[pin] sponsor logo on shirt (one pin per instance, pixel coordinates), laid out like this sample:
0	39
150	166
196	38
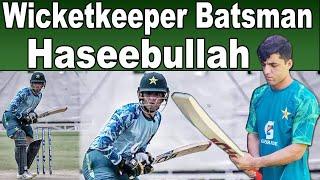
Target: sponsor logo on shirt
268	129
269	132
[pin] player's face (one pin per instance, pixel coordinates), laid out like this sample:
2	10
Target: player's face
152	100
276	71
37	87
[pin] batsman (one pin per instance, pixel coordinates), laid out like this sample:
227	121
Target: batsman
119	151
17	119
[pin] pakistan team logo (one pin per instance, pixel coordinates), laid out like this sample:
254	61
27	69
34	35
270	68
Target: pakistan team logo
153	80
285	114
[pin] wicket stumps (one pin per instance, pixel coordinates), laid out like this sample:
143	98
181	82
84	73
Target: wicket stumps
42	130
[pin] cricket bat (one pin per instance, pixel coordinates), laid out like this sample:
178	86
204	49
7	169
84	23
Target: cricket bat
52	111
182	151
192	110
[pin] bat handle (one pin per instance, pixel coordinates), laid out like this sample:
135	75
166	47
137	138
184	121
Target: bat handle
258	176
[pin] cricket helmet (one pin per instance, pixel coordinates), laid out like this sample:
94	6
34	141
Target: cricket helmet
38	77
153	82
150	83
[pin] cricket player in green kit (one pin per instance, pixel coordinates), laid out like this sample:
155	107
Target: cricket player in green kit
282	117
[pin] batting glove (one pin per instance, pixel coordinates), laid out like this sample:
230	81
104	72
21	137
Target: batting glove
32	117
146	159
130	167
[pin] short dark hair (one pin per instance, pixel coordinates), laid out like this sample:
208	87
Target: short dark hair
275	44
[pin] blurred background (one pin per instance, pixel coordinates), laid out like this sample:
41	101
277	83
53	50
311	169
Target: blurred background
93	96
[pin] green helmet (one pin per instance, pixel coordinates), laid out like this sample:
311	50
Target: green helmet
38	77
153	82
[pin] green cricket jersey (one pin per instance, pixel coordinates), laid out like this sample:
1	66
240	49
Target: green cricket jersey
280	118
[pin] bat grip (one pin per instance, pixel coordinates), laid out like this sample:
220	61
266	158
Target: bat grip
258	176
43	115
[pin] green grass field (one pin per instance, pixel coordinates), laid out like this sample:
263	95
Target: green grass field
65	152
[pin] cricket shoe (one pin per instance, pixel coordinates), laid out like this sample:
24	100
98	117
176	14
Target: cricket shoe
32	174
26	175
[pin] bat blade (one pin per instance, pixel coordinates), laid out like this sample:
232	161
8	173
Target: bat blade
193	111
182	151
53	111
